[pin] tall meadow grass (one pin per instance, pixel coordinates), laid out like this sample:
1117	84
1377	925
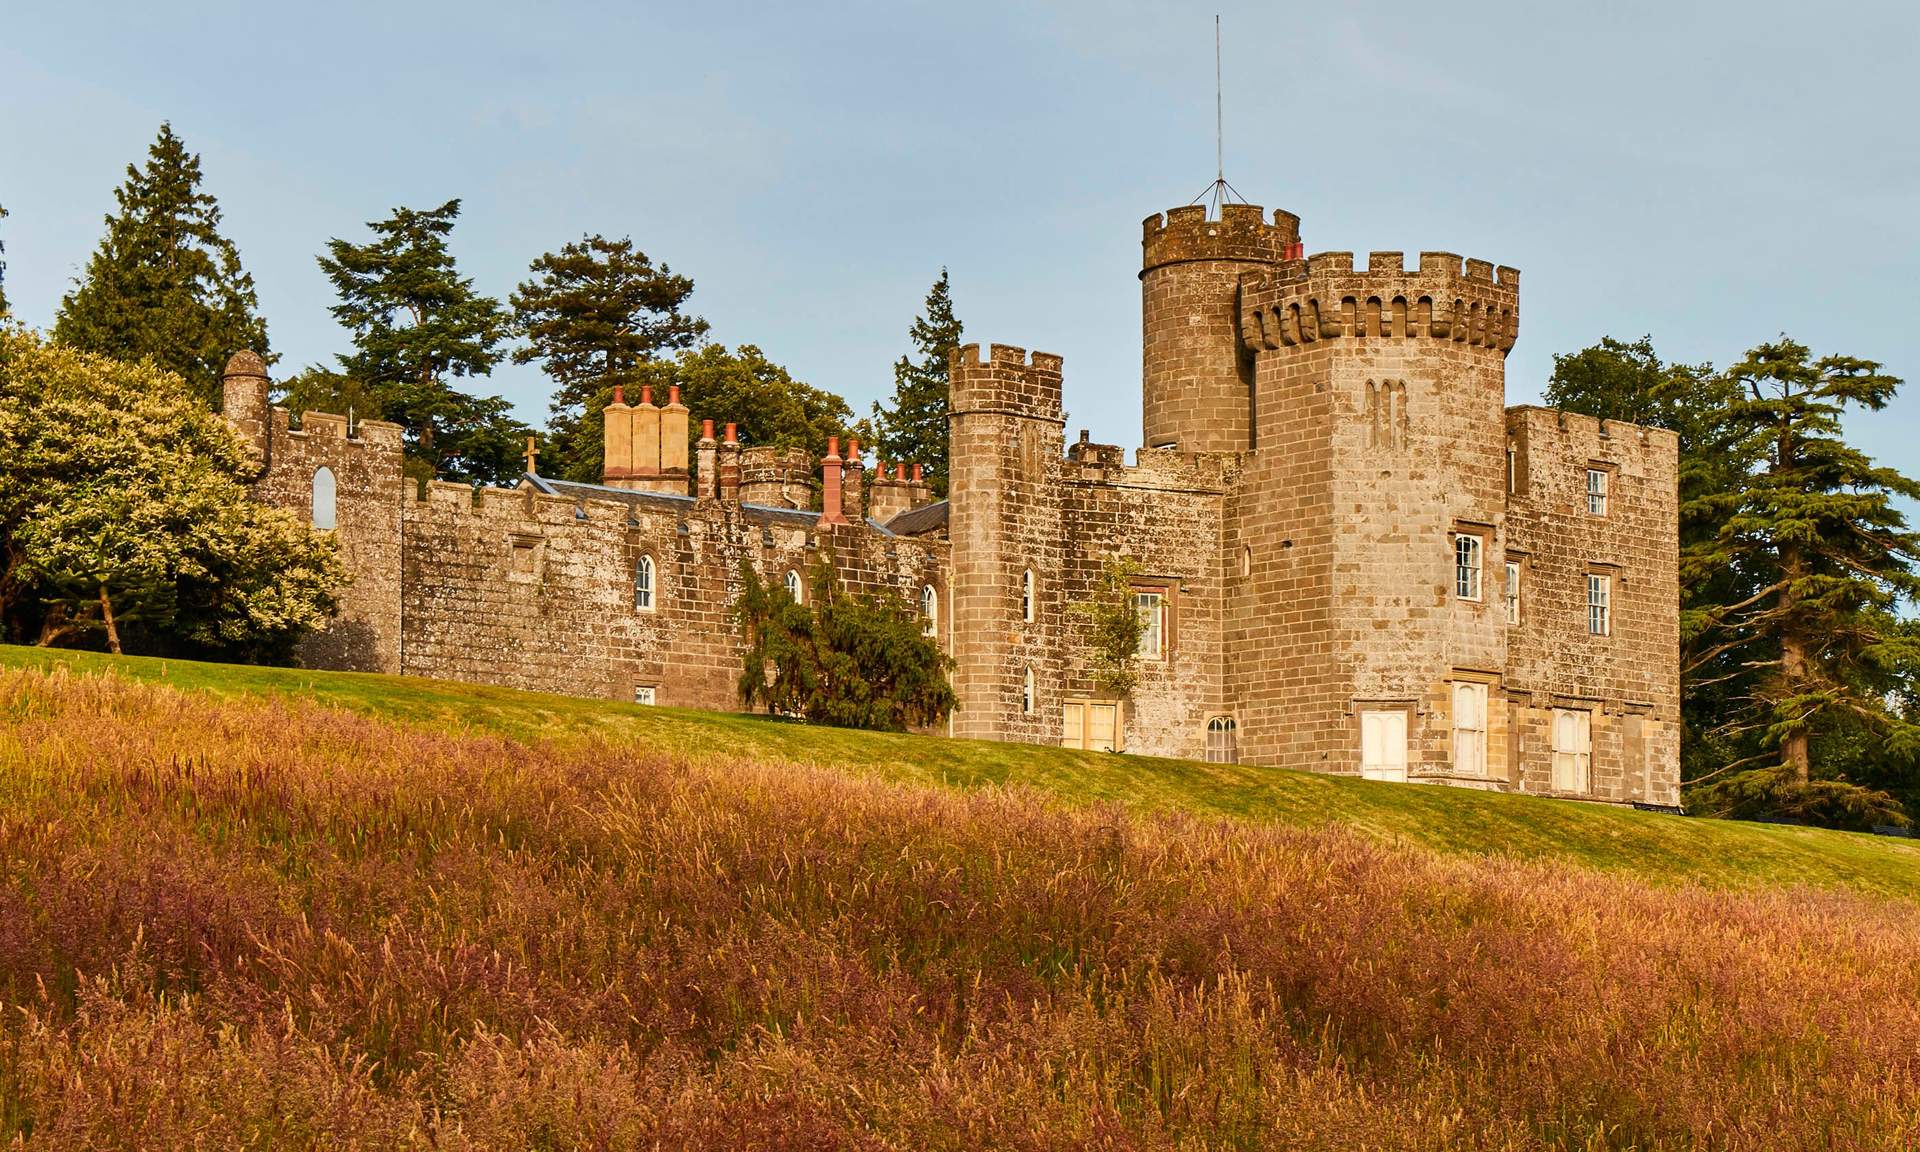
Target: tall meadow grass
252	923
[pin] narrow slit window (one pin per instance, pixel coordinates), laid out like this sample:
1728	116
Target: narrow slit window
1513	592
1026	694
1026	596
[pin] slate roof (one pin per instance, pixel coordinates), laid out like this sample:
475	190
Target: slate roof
918	521
667	501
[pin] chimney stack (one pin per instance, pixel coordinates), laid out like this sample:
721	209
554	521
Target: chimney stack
616	441
705	482
853	489
673	438
730	466
830	485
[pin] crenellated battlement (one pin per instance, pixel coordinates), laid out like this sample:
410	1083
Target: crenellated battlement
1005	381
1325	297
1240	233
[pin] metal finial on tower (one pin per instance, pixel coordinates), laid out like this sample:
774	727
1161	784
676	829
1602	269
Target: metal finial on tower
1219	192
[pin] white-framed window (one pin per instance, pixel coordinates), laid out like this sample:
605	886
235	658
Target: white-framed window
1470	729
1092	725
1599	604
1383	745
1466	566
326	493
1223	740
1572	750
929	611
794	588
643	584
643	693
1513	592
1151	605
1026	694
1597	491
1026	596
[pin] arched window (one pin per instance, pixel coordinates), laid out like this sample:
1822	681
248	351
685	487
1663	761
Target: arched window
793	587
325	492
1026	694
929	611
1026	596
643	584
1223	740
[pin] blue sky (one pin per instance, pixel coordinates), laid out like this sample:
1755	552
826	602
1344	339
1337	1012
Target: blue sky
1710	174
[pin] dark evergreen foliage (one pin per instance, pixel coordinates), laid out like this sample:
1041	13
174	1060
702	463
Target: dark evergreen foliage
165	284
416	324
1799	668
848	661
913	426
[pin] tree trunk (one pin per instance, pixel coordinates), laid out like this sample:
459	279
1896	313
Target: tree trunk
106	614
53	626
1793	671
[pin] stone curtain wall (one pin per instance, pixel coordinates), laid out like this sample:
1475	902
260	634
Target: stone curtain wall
1629	680
536	591
1165	513
368	485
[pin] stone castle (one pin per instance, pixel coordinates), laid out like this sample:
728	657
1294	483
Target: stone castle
1353	557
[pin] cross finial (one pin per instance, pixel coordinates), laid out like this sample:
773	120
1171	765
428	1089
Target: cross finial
533	454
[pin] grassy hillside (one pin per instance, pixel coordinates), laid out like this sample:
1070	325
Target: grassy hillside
1663	848
253	921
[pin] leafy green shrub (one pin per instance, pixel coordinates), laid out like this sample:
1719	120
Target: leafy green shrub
848	661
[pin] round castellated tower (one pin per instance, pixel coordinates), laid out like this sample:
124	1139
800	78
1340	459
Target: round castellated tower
1196	380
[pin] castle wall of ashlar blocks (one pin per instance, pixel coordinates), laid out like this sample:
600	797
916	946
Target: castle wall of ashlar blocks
1355	557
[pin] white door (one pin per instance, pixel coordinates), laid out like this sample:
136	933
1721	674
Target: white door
1102	727
1572	750
1383	745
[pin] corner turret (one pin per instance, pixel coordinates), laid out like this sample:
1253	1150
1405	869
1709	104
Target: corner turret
1197	383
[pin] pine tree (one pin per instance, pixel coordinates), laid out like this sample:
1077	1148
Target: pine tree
1815	649
416	322
164	283
913	427
593	314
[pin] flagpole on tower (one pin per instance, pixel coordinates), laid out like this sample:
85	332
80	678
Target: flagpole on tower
1219	192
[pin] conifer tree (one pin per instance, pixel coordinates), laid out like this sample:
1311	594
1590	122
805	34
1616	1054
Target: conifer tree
417	323
593	314
1815	647
164	283
913	427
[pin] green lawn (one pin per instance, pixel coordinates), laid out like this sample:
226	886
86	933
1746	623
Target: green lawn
1447	819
